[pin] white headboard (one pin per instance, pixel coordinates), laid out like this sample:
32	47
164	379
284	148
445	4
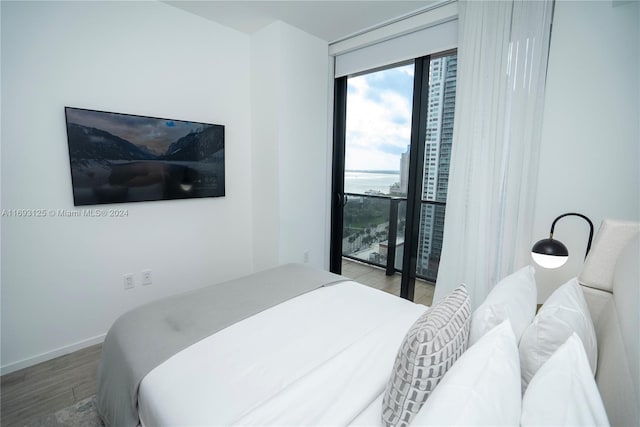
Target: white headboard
614	303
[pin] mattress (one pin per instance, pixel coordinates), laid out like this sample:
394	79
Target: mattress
272	368
145	337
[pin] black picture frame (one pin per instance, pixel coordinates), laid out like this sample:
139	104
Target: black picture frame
121	158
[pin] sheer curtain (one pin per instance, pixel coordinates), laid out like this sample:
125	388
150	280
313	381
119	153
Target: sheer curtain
502	62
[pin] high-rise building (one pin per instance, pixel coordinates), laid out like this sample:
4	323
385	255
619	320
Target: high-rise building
404	171
437	157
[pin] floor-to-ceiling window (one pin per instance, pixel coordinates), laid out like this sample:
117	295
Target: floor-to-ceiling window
392	148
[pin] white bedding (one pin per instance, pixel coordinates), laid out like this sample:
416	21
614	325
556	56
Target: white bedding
320	358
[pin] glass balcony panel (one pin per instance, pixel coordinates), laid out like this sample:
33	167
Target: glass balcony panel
366	228
430	240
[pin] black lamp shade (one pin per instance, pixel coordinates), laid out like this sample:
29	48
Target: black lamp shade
550	253
550	247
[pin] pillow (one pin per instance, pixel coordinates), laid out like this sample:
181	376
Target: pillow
563	392
611	239
513	298
481	388
431	346
564	313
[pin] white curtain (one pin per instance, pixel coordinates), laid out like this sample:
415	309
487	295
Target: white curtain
502	62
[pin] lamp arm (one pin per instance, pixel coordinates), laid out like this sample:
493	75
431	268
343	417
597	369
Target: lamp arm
553	225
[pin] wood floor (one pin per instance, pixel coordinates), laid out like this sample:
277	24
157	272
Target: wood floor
376	278
56	384
48	387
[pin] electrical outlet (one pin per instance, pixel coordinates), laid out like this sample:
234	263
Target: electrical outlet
306	256
129	281
146	277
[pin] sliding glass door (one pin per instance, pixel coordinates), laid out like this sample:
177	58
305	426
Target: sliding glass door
392	145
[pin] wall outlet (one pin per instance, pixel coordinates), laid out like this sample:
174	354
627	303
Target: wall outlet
305	256
146	277
129	281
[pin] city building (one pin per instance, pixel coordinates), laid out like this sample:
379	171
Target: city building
437	157
404	171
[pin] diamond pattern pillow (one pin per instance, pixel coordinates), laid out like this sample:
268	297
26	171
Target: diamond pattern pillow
432	344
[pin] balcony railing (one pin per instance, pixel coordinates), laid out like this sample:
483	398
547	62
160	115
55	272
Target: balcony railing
374	233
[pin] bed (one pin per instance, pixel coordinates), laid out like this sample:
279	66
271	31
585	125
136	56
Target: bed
298	346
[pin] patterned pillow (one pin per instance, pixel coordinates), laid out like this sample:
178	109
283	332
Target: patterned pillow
431	346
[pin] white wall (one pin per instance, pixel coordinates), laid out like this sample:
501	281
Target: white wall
591	136
302	154
62	283
289	90
265	89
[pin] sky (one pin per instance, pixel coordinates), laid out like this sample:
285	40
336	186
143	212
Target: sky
378	119
153	134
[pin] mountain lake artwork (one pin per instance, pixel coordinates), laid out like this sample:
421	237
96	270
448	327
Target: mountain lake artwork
118	158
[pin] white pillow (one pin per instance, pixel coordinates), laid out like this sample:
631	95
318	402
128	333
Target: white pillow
563	391
564	313
513	298
481	388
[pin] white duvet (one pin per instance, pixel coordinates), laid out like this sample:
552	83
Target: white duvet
322	358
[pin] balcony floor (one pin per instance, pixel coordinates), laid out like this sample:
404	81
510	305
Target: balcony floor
376	278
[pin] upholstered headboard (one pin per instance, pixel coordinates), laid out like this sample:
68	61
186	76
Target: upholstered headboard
611	284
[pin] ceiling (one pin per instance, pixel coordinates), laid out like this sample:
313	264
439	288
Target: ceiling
329	20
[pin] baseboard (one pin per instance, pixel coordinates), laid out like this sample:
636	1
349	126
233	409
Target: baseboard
43	357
